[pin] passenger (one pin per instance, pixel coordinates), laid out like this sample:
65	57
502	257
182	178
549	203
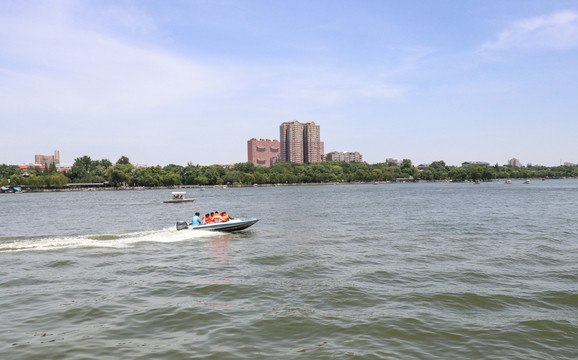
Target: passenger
196	219
212	218
224	216
217	217
206	219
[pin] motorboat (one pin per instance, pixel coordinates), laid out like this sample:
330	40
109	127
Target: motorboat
11	189
179	197
228	226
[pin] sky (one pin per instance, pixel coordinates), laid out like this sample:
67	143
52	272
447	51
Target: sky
191	81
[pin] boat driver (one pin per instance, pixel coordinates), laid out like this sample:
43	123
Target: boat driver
196	219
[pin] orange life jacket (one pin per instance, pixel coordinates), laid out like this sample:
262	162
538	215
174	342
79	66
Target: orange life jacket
217	217
224	217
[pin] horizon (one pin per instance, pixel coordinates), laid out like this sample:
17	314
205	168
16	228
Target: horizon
193	81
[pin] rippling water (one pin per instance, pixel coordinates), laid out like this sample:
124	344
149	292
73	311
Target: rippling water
397	271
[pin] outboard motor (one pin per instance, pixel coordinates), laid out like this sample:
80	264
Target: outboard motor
182	225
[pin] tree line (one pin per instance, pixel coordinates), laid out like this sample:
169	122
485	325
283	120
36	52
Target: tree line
124	174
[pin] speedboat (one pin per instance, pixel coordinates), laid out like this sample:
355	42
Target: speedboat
179	197
228	226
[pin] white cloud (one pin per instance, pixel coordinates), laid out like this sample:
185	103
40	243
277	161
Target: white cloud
51	65
558	31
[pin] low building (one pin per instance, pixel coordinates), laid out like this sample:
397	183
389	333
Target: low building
346	156
470	163
47	159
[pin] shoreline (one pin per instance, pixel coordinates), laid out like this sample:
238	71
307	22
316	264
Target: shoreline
224	187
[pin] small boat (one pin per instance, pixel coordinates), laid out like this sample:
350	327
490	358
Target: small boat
11	189
228	226
508	182
179	197
527	182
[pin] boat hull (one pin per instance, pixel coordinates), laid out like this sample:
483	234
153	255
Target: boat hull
178	201
228	226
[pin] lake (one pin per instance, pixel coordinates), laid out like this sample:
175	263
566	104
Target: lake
388	271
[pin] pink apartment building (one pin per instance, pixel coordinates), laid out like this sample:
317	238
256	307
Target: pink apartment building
262	151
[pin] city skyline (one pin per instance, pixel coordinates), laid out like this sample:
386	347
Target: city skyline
271	149
191	82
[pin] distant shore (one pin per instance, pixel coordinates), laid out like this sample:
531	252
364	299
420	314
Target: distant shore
224	187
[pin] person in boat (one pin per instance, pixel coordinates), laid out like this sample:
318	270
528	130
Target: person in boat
205	219
196	219
217	217
224	216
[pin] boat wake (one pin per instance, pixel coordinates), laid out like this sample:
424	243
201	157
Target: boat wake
115	241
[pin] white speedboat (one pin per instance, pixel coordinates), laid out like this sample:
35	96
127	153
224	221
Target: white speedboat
228	226
179	197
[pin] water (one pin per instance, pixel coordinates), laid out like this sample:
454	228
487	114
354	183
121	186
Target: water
397	271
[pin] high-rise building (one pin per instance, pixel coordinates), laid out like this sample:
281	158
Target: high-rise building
262	151
514	162
300	142
47	159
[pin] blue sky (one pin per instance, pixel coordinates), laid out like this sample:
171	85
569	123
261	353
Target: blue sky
191	81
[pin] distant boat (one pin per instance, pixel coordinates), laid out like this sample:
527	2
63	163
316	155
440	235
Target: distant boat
508	182
527	182
11	189
179	197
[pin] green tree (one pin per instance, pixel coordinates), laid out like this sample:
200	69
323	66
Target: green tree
120	174
407	168
123	160
213	174
175	169
246	167
8	170
57	180
79	172
17	180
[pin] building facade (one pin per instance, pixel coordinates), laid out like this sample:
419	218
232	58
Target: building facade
47	159
346	156
262	151
300	142
514	162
